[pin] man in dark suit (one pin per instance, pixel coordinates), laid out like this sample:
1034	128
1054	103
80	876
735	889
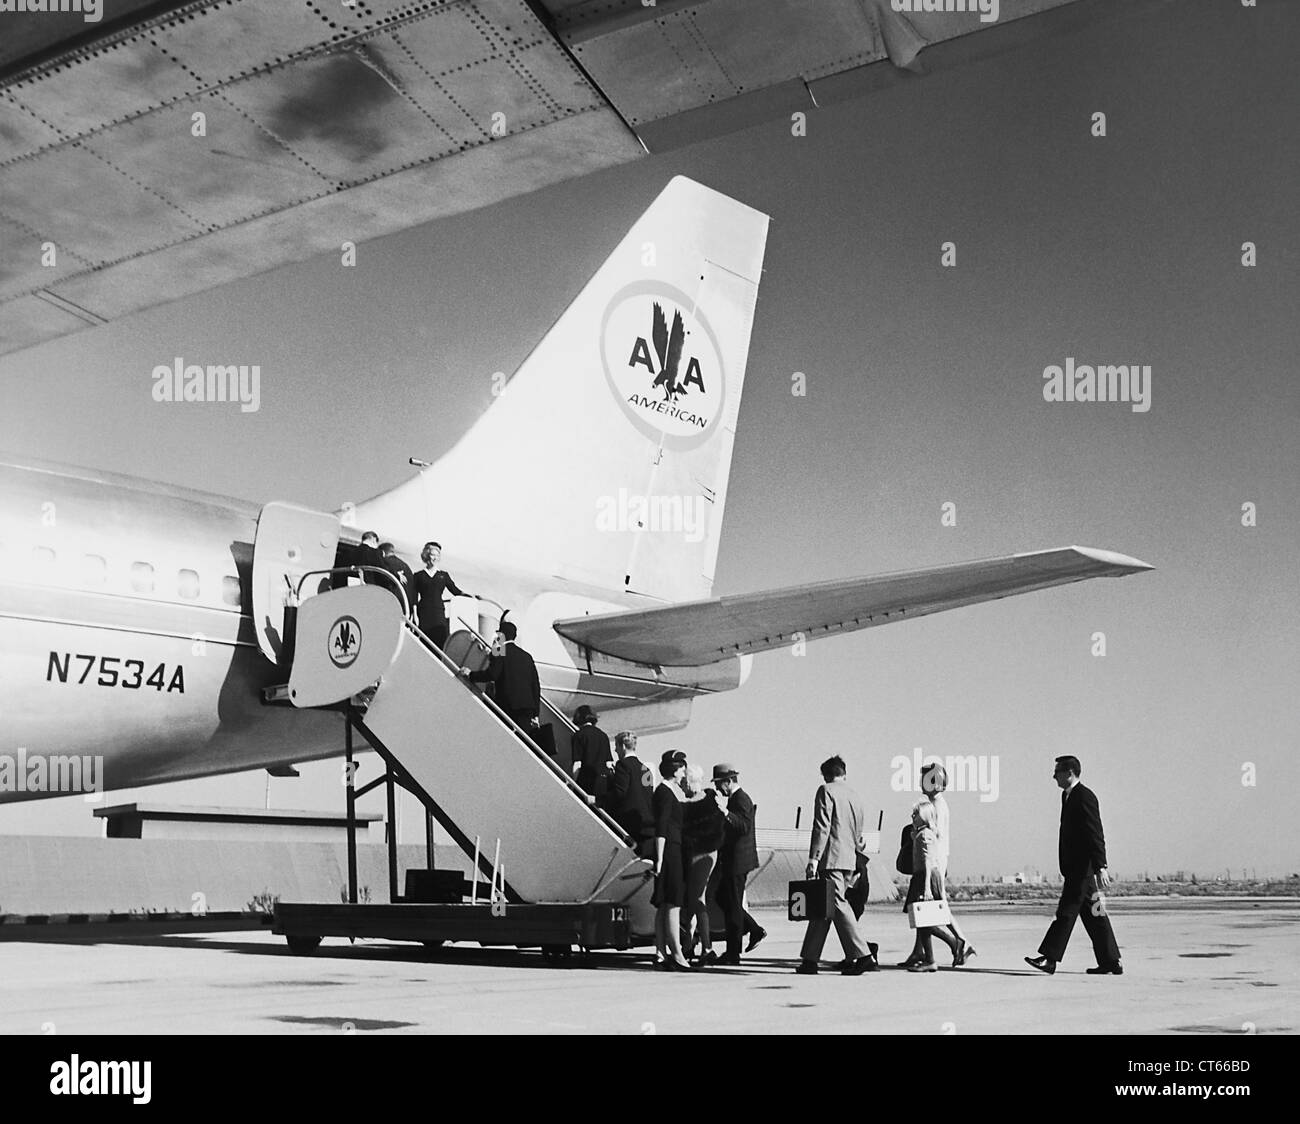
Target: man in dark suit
1083	865
513	675
399	569
737	856
630	788
369	554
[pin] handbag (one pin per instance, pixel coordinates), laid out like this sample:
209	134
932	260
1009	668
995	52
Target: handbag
932	913
811	900
903	864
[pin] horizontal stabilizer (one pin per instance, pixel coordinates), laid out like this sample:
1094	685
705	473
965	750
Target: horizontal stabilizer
701	632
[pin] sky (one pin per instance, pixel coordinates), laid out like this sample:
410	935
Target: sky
924	387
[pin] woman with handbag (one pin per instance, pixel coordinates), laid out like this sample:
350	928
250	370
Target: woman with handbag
929	870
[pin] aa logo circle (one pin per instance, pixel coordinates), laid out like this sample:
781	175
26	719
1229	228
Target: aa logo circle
663	364
344	643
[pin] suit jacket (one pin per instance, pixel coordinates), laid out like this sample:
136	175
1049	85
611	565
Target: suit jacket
590	747
370	556
630	790
1082	849
838	817
515	686
739	851
402	572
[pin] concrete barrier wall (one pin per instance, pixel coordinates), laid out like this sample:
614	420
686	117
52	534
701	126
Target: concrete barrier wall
61	874
66	874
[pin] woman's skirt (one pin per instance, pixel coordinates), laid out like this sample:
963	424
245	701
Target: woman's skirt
916	889
699	869
670	886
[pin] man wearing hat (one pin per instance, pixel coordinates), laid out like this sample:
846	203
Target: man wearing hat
737	856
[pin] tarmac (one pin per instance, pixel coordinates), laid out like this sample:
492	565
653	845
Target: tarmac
1192	966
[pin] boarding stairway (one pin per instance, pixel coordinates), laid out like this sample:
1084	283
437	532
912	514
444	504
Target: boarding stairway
481	776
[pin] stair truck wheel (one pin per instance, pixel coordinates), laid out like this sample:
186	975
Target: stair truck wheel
303	946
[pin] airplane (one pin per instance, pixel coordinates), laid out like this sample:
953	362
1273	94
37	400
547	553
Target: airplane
586	501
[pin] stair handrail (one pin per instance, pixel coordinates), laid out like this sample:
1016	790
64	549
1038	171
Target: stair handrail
486	646
454	668
356	571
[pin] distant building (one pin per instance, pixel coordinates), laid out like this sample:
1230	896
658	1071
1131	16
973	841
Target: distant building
1020	878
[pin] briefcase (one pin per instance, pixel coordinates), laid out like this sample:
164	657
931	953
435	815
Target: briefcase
544	736
813	900
928	914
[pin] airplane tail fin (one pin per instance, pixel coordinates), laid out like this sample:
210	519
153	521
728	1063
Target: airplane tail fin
605	458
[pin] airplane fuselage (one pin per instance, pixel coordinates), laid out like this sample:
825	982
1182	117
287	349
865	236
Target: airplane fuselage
126	635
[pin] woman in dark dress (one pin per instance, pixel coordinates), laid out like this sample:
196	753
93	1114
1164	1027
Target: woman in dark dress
591	754
427	588
670	873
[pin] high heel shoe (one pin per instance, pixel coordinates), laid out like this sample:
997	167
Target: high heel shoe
963	953
910	961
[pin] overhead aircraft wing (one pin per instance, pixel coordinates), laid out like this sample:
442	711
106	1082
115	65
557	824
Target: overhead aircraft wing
169	146
701	632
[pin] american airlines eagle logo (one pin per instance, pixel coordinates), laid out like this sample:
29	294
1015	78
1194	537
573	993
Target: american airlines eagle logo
344	642
668	349
662	362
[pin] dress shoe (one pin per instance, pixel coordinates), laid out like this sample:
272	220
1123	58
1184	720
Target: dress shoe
924	966
806	968
860	965
709	957
964	952
910	961
1115	969
1042	964
754	937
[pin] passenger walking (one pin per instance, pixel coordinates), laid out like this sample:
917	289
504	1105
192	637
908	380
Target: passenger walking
737	857
516	688
1082	854
630	790
703	828
368	554
838	819
429	585
670	878
591	758
930	850
400	570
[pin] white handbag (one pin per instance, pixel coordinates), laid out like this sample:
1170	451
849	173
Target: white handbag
928	914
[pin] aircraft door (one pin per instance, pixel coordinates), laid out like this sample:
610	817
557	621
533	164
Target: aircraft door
291	541
467	616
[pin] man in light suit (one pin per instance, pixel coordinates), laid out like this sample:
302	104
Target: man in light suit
1082	854
838	820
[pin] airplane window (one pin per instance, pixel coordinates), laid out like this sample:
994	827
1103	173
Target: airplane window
93	569
187	584
141	577
230	590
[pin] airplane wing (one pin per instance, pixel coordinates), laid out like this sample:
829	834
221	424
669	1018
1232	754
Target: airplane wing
701	632
151	149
